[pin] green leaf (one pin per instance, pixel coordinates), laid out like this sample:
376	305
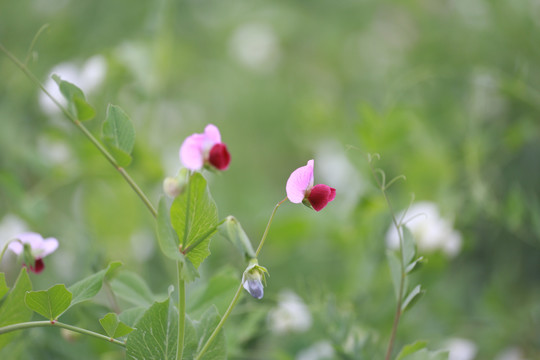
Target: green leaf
3	286
411	349
395	270
49	303
412	298
113	326
87	288
167	237
119	134
132	288
203	329
233	231
218	291
156	334
77	104
13	310
415	265
409	246
425	354
194	217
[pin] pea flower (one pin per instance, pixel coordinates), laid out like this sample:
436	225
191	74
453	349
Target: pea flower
34	248
199	150
300	189
253	277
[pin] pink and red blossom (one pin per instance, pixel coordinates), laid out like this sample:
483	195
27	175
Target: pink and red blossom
203	149
38	247
300	188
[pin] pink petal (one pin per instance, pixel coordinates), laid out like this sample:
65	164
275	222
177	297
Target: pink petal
191	152
30	238
49	246
299	182
219	157
320	196
212	134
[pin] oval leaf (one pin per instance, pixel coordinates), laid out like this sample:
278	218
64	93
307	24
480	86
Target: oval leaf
119	134
194	217
50	303
77	104
156	334
113	326
3	286
13	310
87	288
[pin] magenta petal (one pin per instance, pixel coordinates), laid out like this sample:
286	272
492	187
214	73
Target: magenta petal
299	182
320	196
211	132
219	157
33	239
191	153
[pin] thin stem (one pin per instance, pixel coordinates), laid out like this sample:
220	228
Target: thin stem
84	130
181	312
221	322
239	290
398	313
259	248
33	43
47	323
6	247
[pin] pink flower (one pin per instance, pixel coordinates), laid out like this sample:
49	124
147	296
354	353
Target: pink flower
38	247
199	150
300	189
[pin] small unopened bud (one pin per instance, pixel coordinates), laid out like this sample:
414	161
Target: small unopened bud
253	279
232	230
174	186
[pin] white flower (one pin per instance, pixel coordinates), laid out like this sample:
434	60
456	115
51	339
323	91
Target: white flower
430	230
461	349
255	46
87	77
321	350
291	314
512	353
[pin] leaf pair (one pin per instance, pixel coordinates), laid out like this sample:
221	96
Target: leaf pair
52	303
157	334
118	132
193	221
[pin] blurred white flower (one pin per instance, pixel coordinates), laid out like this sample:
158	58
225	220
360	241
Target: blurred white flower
56	152
10	227
430	230
321	350
255	45
512	353
87	77
291	314
460	349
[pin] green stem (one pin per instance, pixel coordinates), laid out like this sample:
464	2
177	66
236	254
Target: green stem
383	186
181	312
221	322
239	290
6	247
47	323
84	130
259	248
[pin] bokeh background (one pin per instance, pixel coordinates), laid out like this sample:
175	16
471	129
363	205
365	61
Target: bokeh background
447	92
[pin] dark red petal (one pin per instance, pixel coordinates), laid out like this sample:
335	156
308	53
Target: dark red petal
220	157
320	196
38	266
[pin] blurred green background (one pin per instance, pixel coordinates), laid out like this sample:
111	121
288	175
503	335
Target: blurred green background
447	92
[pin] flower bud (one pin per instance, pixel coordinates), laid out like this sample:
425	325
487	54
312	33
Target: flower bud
174	186
253	278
